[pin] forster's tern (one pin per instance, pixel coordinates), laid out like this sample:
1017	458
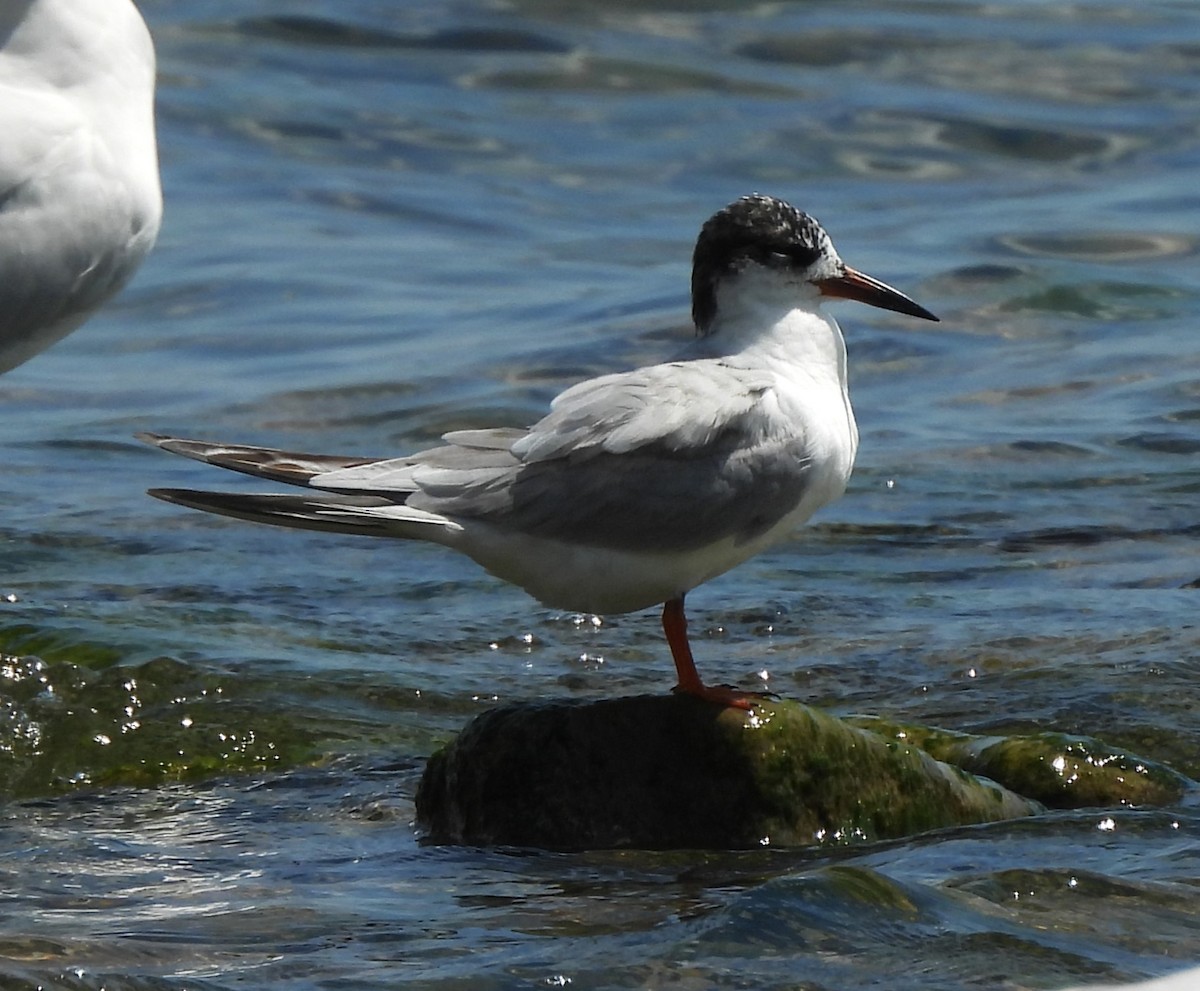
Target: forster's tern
80	202
638	486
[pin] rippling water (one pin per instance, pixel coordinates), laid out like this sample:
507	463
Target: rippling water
390	220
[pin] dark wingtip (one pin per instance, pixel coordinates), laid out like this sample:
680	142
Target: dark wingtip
176	496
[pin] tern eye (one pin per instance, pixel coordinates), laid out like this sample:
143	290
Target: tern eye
772	259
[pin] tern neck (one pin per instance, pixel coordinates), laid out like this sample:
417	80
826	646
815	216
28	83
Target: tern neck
778	325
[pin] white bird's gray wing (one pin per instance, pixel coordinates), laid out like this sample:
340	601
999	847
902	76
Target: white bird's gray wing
38	280
80	203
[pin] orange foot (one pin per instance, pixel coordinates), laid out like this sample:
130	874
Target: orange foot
724	695
675	626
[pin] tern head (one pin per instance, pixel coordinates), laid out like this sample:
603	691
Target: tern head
767	234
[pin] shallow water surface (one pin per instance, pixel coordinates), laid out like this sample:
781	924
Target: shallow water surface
389	221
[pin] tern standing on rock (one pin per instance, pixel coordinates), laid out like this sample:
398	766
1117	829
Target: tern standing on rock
638	486
80	202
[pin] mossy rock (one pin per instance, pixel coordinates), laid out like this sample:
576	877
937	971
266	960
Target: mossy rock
672	772
1061	771
65	725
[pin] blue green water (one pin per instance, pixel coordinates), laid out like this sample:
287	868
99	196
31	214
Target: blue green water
385	221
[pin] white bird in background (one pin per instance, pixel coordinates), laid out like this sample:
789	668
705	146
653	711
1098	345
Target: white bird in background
80	201
638	486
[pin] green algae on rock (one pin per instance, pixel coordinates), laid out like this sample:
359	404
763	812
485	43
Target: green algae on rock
669	772
1058	770
66	725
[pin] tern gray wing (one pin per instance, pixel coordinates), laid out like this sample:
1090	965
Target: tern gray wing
670	457
650	499
679	406
667	457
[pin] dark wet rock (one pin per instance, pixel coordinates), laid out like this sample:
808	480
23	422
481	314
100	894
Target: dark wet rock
1061	771
675	772
1071	536
300	29
1163	443
830	48
592	73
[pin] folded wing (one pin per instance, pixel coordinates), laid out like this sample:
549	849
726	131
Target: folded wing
666	457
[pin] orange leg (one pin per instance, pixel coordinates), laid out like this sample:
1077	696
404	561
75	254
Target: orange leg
675	627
